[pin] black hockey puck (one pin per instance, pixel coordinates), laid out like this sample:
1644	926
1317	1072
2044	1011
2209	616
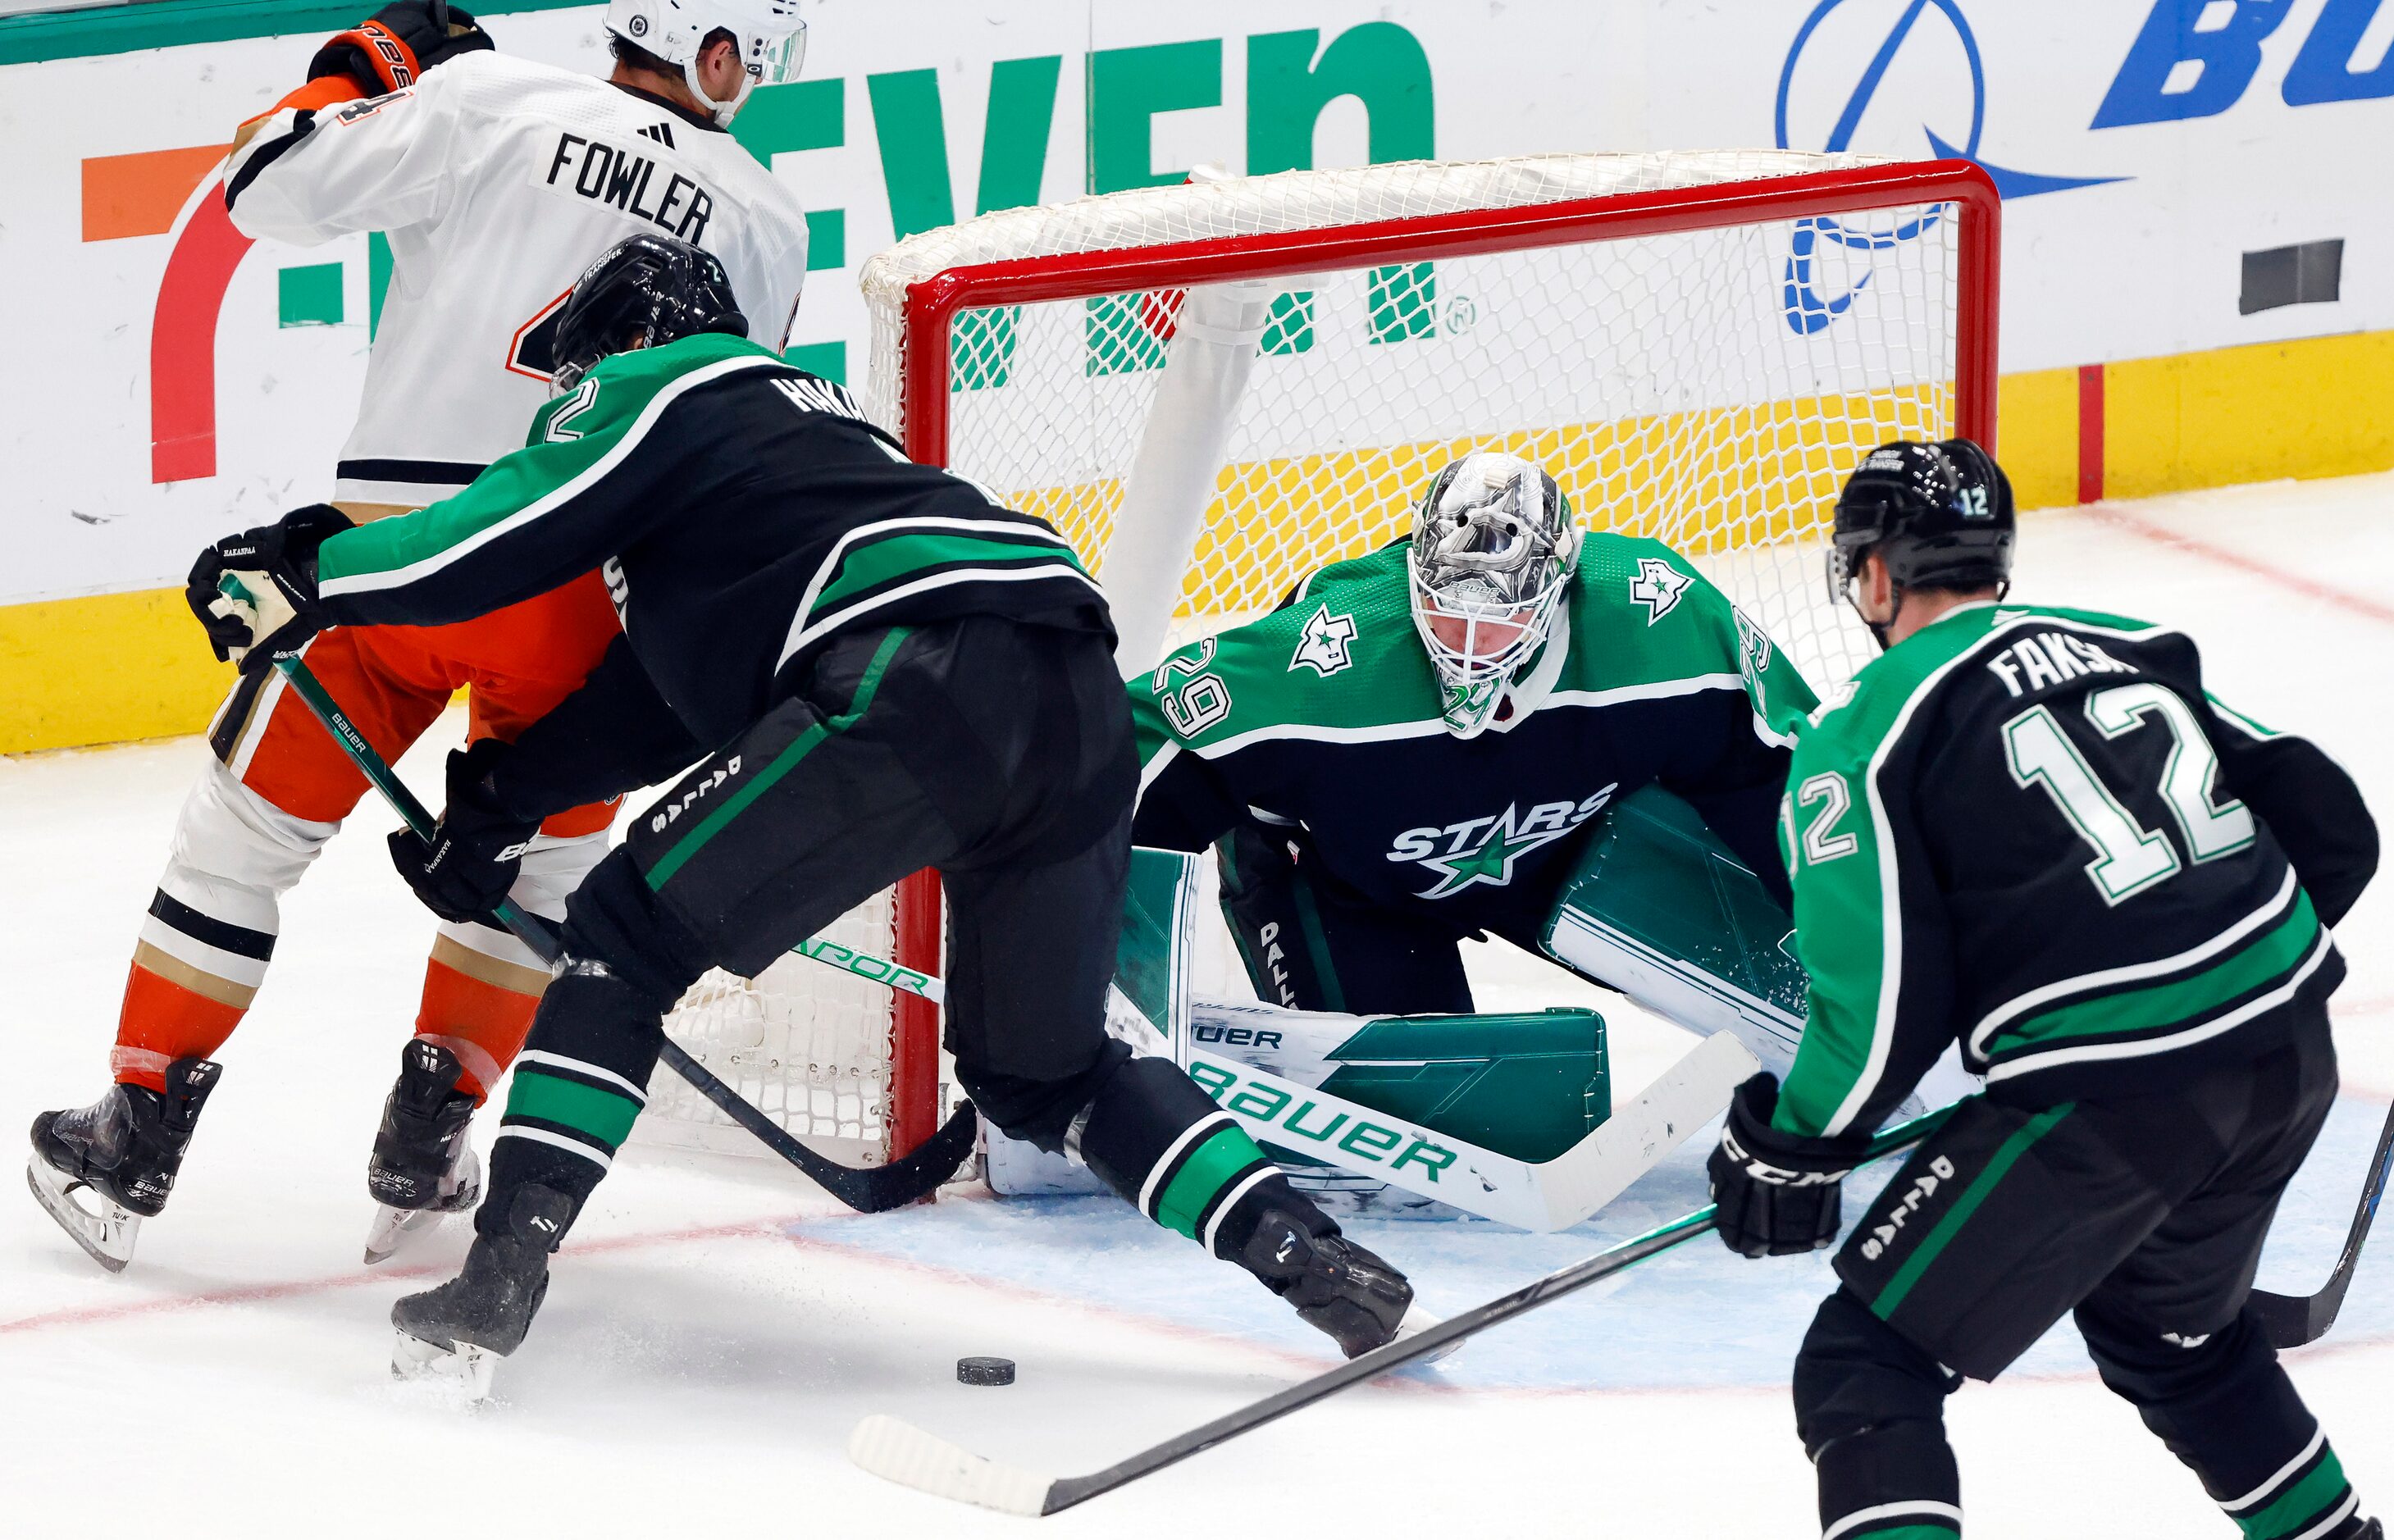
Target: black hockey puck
985	1371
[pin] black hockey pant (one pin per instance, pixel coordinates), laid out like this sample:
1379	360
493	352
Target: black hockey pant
997	753
2144	1217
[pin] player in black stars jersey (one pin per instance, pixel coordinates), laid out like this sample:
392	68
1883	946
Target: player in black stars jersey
2033	830
873	669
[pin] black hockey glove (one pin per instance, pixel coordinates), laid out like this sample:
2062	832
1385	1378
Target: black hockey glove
475	851
1777	1193
401	40
276	565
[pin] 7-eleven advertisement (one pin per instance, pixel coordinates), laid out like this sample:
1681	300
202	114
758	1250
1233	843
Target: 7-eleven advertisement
2196	288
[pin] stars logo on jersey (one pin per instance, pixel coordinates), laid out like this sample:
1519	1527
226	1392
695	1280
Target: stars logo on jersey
1486	849
1658	587
1323	648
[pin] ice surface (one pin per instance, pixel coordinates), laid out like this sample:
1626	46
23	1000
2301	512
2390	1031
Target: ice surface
715	1327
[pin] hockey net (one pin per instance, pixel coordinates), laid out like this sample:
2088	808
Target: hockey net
1213	389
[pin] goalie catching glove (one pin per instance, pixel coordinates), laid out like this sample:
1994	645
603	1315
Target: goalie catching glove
471	861
275	564
391	51
1777	1192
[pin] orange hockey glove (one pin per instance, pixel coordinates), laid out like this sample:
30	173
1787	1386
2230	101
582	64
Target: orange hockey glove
401	40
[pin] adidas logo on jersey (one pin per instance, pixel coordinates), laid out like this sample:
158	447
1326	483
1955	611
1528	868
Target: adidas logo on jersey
622	179
661	131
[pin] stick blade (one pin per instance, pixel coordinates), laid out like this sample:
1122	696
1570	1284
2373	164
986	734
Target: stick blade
897	1451
2290	1321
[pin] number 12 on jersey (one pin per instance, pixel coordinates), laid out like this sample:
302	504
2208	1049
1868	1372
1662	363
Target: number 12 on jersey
2129	858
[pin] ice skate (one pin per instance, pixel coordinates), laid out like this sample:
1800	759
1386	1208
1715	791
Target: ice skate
483	1312
1352	1295
424	1166
101	1170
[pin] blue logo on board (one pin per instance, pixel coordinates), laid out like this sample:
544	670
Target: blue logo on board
1809	307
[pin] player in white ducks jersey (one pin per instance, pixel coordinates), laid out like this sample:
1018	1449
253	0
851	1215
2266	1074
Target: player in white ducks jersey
498	181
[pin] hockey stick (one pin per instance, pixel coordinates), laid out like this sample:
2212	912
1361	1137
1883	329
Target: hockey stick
899	1452
868	1189
2293	1320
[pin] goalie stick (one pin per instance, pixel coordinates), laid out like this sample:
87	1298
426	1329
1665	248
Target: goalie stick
2294	1320
897	1451
868	1189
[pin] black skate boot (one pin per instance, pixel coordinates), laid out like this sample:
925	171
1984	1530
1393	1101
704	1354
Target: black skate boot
483	1312
1337	1286
423	1165
124	1149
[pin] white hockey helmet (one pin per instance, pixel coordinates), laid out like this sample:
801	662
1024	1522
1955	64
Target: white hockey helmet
1494	545
770	37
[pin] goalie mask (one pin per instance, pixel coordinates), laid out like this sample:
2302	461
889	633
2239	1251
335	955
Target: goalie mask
770	39
1494	548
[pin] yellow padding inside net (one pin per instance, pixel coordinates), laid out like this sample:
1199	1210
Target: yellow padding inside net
1706	481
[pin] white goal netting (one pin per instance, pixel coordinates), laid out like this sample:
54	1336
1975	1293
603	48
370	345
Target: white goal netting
808	1046
1212	434
1708	386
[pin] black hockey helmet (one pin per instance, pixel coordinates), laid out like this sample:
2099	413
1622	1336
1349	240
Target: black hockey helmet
1939	514
645	291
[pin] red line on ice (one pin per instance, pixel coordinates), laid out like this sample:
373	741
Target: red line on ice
2138	524
247	1294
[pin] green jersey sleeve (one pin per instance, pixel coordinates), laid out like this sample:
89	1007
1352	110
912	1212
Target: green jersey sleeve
583	487
1185	801
1871	929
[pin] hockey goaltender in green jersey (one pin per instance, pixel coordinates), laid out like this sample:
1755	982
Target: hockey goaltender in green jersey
1422	744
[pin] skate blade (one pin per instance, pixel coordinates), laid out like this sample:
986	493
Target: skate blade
470	1367
1417	1321
104	1229
395	1229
